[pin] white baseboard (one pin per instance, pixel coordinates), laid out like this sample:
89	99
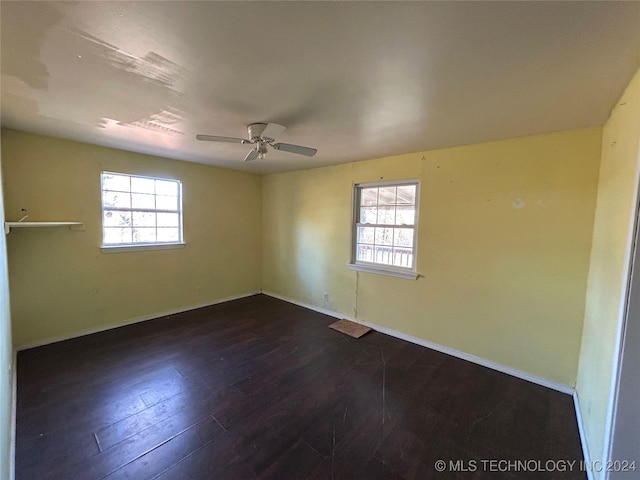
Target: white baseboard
14	400
560	387
102	328
583	436
325	311
394	333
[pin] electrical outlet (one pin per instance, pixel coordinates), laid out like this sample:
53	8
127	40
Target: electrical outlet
326	296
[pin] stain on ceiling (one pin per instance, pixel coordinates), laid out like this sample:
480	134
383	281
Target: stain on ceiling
356	80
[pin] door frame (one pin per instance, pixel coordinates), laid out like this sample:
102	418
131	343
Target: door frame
632	254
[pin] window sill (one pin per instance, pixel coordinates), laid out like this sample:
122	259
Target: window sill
408	274
140	247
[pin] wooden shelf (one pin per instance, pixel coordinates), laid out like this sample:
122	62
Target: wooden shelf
72	225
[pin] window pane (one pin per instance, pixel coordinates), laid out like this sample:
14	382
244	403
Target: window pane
129	210
142	200
383	255
144	219
405	215
368	196
364	253
142	185
402	257
406	194
384	236
386	215
166	203
115	182
164	187
389	214
403	237
168	235
117	235
144	235
116	219
387	196
168	220
365	234
116	199
368	214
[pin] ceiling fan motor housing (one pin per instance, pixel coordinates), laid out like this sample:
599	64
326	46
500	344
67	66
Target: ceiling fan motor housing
255	130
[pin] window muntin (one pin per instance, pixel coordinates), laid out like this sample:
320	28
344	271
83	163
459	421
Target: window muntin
385	217
139	210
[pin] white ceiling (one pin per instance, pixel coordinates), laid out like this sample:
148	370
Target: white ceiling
356	80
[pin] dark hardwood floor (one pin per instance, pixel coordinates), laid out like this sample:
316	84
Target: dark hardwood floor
260	388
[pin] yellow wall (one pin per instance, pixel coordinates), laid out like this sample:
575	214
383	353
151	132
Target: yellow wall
504	241
6	354
60	281
609	262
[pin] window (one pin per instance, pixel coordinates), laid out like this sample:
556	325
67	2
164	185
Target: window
384	228
140	211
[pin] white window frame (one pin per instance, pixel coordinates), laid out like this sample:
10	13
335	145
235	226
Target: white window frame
138	246
372	267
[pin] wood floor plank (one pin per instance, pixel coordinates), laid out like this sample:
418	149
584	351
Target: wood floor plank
214	459
134	424
261	388
140	444
166	455
298	461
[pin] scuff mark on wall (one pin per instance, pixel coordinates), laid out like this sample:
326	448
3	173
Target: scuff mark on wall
546	198
518	202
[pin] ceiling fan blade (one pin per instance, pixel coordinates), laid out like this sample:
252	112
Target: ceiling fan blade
272	130
287	147
252	155
214	138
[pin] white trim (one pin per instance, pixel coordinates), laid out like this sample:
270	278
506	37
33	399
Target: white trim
355	217
607	445
144	318
386	183
447	350
380	270
583	436
140	247
325	311
14	400
560	387
131	210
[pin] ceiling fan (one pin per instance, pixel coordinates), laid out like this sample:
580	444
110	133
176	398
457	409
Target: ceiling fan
261	135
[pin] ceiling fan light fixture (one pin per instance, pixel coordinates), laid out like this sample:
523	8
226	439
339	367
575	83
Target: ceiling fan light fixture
262	149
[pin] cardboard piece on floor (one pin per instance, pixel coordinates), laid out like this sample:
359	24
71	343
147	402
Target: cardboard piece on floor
350	328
